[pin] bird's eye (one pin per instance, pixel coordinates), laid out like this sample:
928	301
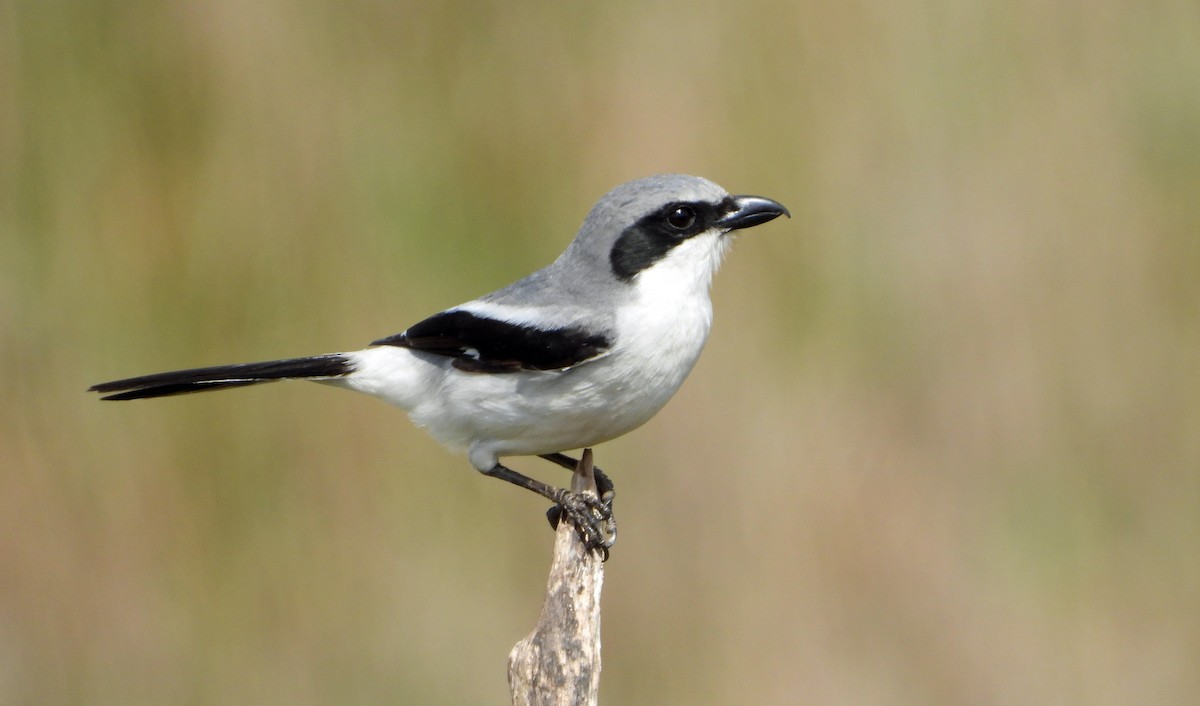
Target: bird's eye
681	217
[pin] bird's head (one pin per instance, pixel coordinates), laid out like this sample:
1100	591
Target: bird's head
671	223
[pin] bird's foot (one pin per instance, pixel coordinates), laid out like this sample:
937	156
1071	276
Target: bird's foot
592	517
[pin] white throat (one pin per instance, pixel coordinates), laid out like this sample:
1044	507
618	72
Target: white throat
666	327
686	273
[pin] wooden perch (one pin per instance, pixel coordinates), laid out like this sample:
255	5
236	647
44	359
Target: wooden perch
558	664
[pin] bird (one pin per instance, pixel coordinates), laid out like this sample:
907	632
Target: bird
577	353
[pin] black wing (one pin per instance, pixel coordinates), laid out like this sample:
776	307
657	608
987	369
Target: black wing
479	344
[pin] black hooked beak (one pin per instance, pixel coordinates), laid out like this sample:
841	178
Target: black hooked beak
750	211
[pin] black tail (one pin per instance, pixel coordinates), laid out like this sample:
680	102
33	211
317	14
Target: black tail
179	382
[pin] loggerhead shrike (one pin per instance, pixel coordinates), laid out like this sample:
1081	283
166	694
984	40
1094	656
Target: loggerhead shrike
577	353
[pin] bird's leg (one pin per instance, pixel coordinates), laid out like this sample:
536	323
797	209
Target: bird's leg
604	488
589	514
604	485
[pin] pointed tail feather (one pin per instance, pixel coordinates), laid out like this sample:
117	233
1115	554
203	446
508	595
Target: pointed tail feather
179	382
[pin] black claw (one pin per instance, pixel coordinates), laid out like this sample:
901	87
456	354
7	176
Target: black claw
592	518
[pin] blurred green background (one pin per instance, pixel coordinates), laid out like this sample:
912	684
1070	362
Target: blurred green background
943	447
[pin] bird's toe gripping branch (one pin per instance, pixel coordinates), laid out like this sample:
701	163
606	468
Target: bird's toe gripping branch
591	508
587	505
591	516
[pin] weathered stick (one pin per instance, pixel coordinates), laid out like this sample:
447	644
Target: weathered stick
558	664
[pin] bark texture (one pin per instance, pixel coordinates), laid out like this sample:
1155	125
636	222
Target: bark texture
558	664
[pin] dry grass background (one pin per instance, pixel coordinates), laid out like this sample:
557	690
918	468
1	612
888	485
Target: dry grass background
943	447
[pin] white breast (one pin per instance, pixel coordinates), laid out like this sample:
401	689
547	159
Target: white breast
662	332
